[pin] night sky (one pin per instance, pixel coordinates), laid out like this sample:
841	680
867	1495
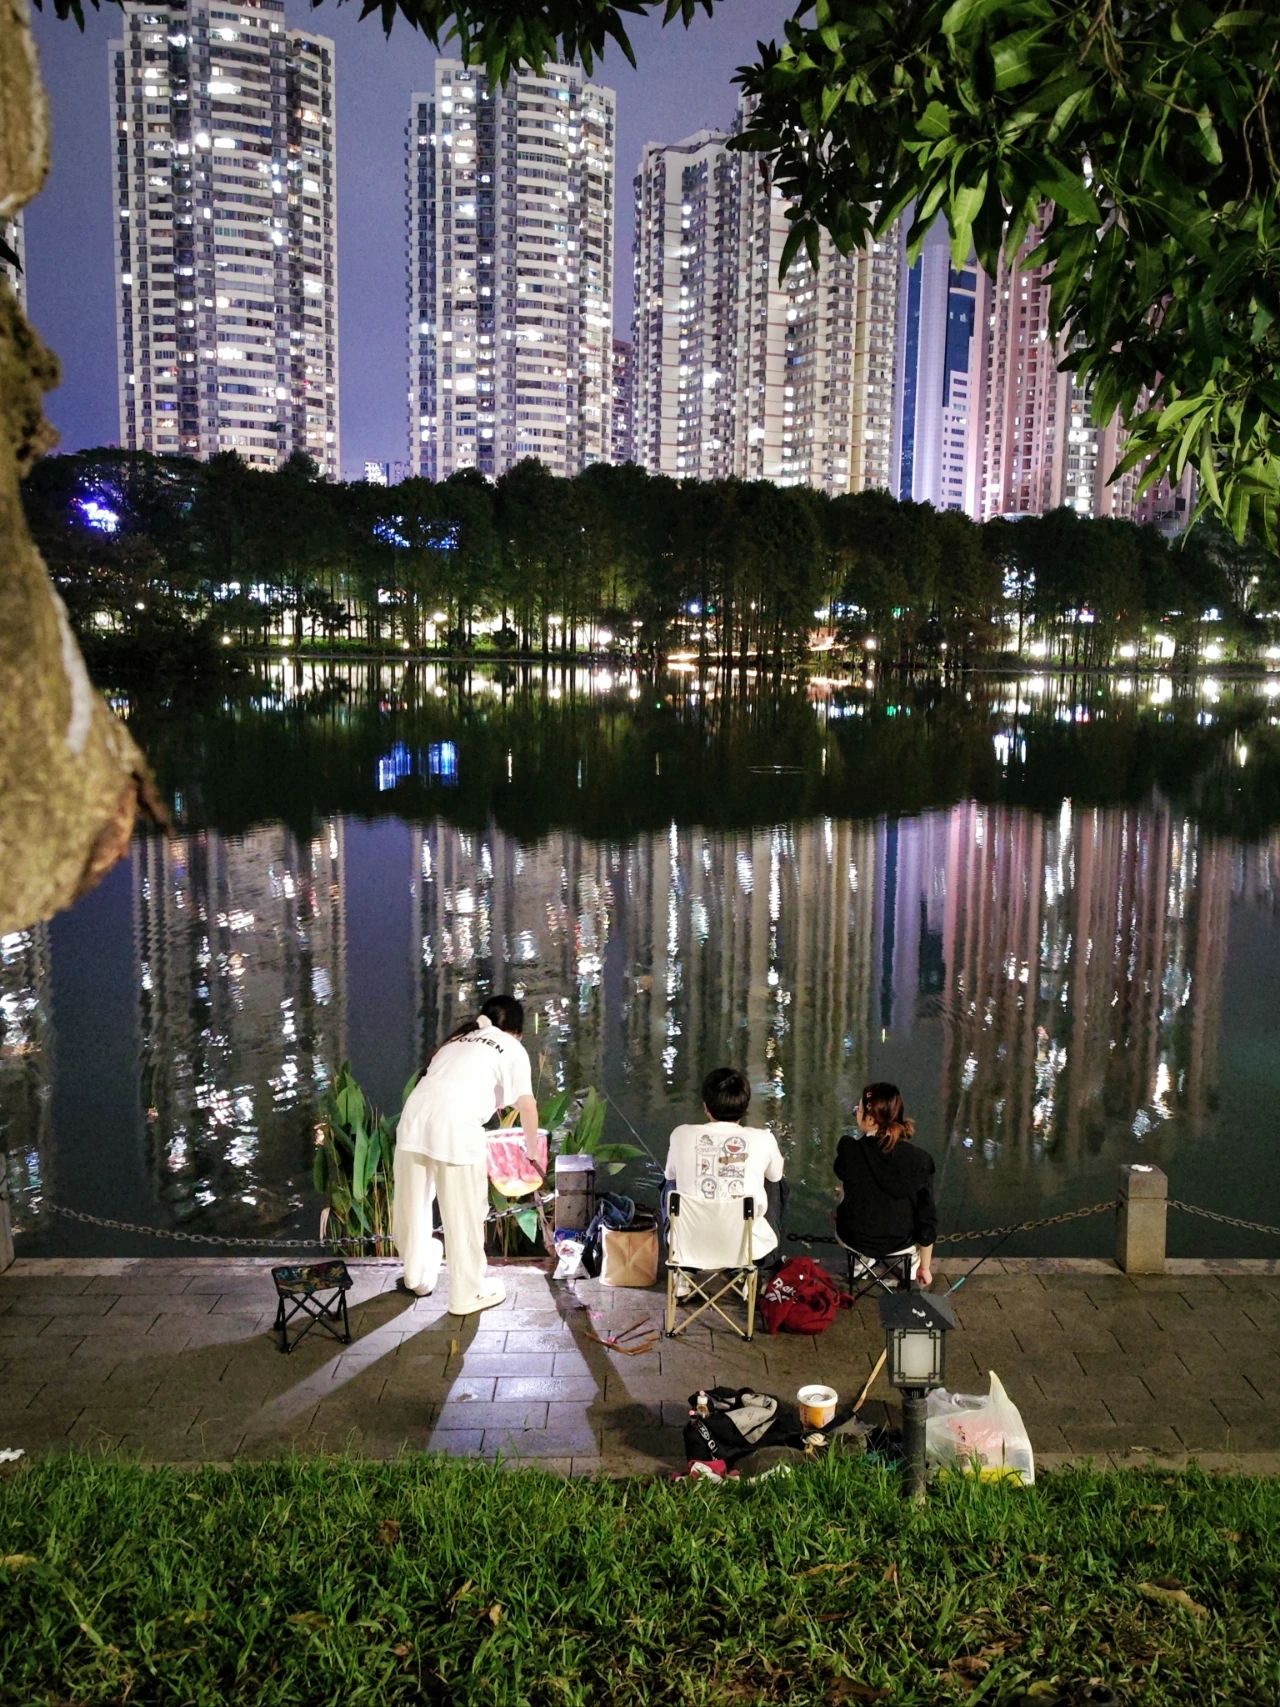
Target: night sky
684	83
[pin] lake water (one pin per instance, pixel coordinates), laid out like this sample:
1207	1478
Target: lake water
1049	910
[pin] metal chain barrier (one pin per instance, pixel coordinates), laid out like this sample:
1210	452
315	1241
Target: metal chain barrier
984	1233
228	1241
978	1235
1225	1220
981	1234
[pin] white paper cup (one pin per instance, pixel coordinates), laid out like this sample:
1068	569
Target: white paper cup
817	1406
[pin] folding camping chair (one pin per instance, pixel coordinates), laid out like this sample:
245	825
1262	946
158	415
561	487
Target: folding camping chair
887	1274
709	1249
316	1290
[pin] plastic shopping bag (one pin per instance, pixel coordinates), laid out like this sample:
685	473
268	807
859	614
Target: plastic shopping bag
568	1259
517	1161
979	1433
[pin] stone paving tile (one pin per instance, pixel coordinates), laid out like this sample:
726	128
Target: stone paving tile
1102	1365
581	1388
518	1415
15	1330
458	1442
514	1364
161	1303
576	1441
56	1303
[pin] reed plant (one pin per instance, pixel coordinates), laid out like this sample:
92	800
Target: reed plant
354	1168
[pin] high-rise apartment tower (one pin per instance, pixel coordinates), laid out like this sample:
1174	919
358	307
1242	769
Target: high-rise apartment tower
936	309
737	374
511	230
1032	444
226	244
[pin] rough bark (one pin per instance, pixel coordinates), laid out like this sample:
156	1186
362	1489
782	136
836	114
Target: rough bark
71	778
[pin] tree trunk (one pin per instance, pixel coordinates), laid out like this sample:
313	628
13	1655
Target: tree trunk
70	776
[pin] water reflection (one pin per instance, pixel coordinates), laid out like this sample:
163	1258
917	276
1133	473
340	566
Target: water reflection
1049	984
241	974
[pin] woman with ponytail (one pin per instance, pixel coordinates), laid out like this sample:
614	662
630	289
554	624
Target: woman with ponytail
479	1069
886	1203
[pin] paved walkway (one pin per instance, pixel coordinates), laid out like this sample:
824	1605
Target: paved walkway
172	1360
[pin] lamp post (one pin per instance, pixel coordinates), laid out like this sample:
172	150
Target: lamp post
915	1328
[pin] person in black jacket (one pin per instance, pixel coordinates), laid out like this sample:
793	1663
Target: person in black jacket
886	1183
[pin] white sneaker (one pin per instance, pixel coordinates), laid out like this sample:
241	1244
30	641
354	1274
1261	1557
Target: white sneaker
684	1286
484	1301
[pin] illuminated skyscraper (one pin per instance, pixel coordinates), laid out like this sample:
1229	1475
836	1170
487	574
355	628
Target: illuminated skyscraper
936	308
1032	444
226	246
622	446
736	373
510	271
686	290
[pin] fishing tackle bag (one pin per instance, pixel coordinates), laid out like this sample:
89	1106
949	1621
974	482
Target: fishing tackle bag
737	1420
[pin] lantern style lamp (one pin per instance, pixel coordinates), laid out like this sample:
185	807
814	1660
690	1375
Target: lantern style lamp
916	1327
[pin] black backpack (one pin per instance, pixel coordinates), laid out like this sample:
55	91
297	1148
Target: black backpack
737	1420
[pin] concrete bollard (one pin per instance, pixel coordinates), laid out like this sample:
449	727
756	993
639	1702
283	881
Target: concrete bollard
6	1226
575	1193
1141	1221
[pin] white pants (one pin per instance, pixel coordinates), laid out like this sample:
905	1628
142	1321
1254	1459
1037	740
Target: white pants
463	1192
411	1220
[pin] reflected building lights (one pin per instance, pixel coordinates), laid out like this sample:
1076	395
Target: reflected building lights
241	947
26	1071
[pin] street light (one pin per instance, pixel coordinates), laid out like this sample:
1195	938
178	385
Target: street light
916	1327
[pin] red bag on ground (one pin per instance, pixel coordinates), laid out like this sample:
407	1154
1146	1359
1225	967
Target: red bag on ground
801	1298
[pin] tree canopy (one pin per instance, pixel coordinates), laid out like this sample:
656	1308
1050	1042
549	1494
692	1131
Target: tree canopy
1137	147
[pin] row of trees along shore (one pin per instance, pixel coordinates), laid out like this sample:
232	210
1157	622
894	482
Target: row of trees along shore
150	549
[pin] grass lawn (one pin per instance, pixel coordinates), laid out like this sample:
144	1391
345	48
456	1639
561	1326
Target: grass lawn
430	1580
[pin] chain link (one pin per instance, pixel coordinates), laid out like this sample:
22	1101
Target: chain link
984	1233
978	1235
228	1241
1226	1220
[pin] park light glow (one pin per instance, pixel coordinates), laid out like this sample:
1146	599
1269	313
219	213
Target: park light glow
98	515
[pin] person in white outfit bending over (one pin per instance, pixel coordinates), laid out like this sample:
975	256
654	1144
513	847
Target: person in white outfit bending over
479	1069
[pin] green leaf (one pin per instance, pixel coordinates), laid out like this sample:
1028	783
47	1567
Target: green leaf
527	1221
966	204
360	1167
1056	182
590	1126
934	123
552	1113
791	248
967	14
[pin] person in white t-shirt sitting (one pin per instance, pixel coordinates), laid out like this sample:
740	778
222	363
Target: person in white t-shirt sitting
441	1152
725	1160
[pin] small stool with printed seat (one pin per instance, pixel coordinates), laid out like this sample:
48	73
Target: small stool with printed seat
892	1273
316	1291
